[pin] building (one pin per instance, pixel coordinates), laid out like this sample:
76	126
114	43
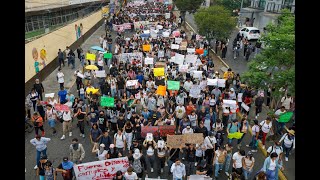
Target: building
266	11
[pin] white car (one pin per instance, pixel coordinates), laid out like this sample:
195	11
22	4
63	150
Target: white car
250	33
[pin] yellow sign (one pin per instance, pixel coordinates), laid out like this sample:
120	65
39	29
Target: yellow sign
93	90
91	57
146	47
161	90
158	71
236	135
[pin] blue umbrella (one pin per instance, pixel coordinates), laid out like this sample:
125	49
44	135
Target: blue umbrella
98	48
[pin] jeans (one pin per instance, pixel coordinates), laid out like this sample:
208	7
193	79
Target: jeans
44	153
230	140
253	143
217	167
110	48
162	163
113	92
41	177
286	150
108	62
228	160
151	160
128	139
190	168
271	175
170	164
81	126
280	126
120	92
246	173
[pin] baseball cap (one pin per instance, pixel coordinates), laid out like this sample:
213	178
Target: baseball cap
65	159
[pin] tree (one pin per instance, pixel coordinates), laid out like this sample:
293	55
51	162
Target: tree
187	5
232	4
275	65
215	20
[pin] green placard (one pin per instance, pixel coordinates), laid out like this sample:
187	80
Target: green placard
285	117
173	85
107	101
107	55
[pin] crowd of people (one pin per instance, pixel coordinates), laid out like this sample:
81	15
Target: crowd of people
116	131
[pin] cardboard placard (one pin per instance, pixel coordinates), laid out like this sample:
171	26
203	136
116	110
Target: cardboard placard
212	82
221	83
101	73
164	130
245	107
148	61
191	58
161	90
175	141
49	95
195	138
199	51
107	101
150	129
178	40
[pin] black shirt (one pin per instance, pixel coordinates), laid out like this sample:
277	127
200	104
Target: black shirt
190	155
174	154
41	167
121	123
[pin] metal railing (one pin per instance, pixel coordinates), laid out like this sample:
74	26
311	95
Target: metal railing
276	8
258	4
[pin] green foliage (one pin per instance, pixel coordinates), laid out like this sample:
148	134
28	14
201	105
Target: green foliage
275	65
215	20
232	4
187	5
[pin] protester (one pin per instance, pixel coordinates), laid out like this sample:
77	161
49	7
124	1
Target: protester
178	170
247	165
77	152
66	169
271	166
38	123
288	142
41	167
41	146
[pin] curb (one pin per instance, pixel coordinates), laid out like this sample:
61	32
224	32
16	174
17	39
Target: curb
264	152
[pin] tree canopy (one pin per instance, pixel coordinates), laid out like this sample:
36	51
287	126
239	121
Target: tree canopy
232	4
215	20
275	65
187	5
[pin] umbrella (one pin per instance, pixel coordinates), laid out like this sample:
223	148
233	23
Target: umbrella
91	67
285	117
98	48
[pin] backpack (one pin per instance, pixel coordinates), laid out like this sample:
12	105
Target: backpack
275	151
136	165
219	139
221	158
121	136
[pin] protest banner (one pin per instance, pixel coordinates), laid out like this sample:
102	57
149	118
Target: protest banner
107	101
235	135
195	91
173	85
199	51
49	95
212	82
165	34
179	59
107	55
92	90
221	83
183	68
91	57
160	53
61	107
240	97
191	58
191	50
175	141
128	57
158	71
197	74
167	15
146	47
150	129
194	138
131	83
139	23
164	130
105	169
101	73
177	40
148	61
229	103
161	90
174	46
245	107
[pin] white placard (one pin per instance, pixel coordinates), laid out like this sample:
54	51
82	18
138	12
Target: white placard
160	53
160	143
167	15
153	34
80	75
146	31
197	74
178	40
174	46
159	27
221	83
229	103
245	107
165	34
172	59
149	137
191	50
191	58
101	73
148	61
240	97
49	95
198	177
137	96
179	58
195	91
183	68
212	82
131	83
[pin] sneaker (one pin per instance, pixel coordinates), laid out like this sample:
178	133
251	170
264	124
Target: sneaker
70	133
161	170
258	114
158	177
286	158
36	167
195	164
239	146
227	174
247	145
256	117
254	150
151	170
83	136
80	135
165	164
63	137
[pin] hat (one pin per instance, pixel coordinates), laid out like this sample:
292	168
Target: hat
203	163
102	145
291	131
43	157
250	153
136	154
65	159
111	146
231	89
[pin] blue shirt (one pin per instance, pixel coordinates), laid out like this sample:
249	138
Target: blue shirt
62	95
140	78
233	129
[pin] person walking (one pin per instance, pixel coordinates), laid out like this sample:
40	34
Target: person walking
247	165
102	154
178	170
80	116
150	151
210	142
190	159
39	88
34	96
120	141
218	160
288	142
244	126
51	117
228	148
38	123
60	58
49	171
66	169
41	146
258	103
130	175
232	128
60	78
40	170
265	128
255	133
66	124
271	166
77	152
237	160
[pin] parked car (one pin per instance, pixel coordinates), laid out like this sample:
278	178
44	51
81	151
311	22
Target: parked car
250	33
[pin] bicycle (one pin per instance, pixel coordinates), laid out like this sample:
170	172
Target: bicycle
28	125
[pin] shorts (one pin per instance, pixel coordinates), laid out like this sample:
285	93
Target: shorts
52	123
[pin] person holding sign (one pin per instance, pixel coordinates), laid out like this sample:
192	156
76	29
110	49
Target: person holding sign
150	146
232	128
161	152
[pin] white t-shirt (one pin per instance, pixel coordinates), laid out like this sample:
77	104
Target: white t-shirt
210	141
278	150
100	62
149	83
180	111
186	131
286	102
193	119
187	85
255	129
119	141
273	165
133	176
51	114
238	158
212	102
266	127
102	156
66	116
60	76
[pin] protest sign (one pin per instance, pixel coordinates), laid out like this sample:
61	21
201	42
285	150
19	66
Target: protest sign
148	61
191	58
175	141
229	103
199	177
149	137
285	117
158	71
161	90
194	138
91	57
167	15
199	37
195	91
177	40
221	83
173	85
101	73
61	107
131	83
150	129
183	45
212	82
165	34
146	47
179	59
197	74
154	34
199	51
128	57
107	101
172	59
164	130
105	169
160	143
160	53
107	55
139	23
240	97
174	46
191	50
49	95
80	75
92	90
183	68
159	27
235	135
245	107
176	33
